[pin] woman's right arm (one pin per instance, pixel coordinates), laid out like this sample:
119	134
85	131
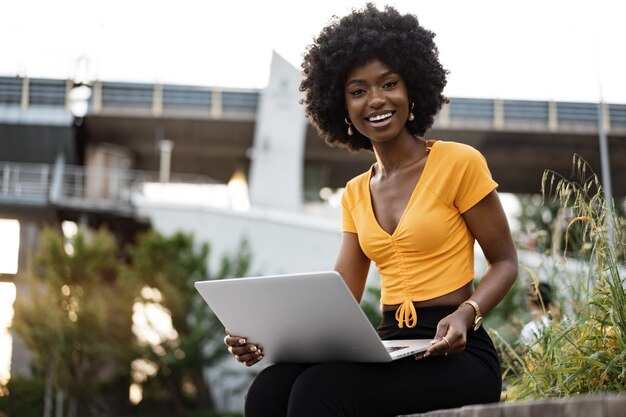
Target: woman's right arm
352	264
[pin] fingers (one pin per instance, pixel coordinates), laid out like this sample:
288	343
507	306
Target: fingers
450	338
246	353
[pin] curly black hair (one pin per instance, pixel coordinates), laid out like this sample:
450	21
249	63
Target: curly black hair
396	40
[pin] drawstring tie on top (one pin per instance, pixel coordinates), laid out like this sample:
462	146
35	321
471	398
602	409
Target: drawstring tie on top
406	314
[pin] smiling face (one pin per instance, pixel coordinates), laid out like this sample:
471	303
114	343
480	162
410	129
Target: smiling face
377	101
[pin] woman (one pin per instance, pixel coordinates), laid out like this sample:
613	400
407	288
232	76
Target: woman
373	81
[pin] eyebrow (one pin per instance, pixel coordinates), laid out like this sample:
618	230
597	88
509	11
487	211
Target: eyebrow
382	76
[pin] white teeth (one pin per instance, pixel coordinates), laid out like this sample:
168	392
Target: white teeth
379	117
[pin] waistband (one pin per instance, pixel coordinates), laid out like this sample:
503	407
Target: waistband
478	345
426	323
408	315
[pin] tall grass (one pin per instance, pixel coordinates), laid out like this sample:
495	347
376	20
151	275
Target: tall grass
583	349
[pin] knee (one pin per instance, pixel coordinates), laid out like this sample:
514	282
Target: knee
269	392
319	391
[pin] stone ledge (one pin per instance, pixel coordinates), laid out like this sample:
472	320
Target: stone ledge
607	405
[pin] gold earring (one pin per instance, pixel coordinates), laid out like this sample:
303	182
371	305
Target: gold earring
411	116
350	132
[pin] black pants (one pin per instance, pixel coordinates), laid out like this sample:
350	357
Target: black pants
404	386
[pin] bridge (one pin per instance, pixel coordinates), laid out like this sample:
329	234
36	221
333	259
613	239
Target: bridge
213	132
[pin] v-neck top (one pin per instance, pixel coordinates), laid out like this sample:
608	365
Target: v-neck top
431	251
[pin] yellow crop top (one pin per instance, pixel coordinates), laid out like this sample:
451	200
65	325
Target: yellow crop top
431	252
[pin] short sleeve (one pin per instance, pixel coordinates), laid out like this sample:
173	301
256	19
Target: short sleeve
475	181
347	222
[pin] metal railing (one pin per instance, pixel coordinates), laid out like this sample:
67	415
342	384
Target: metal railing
526	110
127	94
212	102
181	96
79	187
11	90
24	182
48	92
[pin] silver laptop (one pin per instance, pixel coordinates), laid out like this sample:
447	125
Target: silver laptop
303	318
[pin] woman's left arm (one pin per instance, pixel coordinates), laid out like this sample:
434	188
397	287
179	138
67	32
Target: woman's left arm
488	224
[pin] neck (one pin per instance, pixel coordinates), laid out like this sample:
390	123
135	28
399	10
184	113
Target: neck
537	312
395	155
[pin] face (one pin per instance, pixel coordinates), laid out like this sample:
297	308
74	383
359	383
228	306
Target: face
377	101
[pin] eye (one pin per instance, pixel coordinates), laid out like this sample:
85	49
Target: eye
390	84
357	92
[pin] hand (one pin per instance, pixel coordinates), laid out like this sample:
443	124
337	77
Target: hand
451	335
246	353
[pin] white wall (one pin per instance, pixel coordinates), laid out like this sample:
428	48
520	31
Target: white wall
281	242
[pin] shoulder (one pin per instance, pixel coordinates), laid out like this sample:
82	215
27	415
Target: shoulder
456	150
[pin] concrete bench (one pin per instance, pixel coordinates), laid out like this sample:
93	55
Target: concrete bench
607	405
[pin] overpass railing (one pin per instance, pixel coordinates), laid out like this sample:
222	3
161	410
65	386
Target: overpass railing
196	101
79	187
25	183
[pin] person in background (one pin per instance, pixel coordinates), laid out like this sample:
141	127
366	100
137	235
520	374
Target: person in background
373	81
539	302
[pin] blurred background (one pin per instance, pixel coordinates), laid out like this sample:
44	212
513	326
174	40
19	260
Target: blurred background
146	145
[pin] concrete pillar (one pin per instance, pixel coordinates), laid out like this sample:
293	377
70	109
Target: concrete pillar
97	97
498	114
157	100
276	170
69	84
606	119
216	104
56	187
553	123
165	150
25	93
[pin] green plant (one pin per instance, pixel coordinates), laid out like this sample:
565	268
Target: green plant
25	398
76	319
584	351
172	264
370	304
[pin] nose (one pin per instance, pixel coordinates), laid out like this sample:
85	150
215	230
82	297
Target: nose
376	98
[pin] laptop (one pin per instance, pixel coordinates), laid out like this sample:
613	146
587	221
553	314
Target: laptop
302	318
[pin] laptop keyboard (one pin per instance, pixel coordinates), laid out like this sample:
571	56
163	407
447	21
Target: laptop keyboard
394	348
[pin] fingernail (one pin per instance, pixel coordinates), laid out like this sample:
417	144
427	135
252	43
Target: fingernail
427	354
242	341
257	353
432	342
252	348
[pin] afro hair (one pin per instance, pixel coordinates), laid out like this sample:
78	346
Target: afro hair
396	40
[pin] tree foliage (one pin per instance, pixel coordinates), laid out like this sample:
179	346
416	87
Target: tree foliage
172	265
76	317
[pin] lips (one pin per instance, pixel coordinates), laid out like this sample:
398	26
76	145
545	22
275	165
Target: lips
381	117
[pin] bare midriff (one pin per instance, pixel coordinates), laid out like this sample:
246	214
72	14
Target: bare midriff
454	298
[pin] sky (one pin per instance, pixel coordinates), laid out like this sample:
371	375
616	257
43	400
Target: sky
510	49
